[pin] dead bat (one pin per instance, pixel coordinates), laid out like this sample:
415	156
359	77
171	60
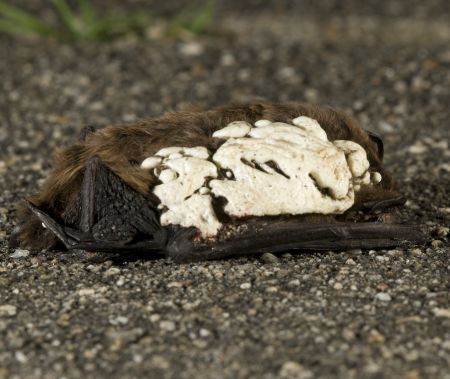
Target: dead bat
237	180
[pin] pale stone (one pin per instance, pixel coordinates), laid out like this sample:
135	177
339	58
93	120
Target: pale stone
7	310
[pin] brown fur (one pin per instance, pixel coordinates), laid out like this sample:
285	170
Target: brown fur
123	147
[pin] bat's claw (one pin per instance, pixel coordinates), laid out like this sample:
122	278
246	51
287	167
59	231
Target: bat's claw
383	204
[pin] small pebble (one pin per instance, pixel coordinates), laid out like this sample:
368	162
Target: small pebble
294	370
7	310
119	320
417	252
21	357
441	231
86	292
437	243
269	258
174	285
111	271
168	326
354	251
155	318
383	296
440	312
417	148
191	49
20	253
386	127
294	283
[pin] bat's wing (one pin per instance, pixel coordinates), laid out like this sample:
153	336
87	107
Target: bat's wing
262	237
107	216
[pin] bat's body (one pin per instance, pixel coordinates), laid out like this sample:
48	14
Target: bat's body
121	188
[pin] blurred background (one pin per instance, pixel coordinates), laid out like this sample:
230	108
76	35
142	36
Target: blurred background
65	64
105	61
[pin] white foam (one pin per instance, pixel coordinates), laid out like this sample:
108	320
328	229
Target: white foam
167	175
235	129
271	169
195	211
261	123
310	125
181	177
375	177
312	175
356	156
150	162
177	152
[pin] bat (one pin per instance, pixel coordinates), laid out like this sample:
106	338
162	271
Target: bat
235	180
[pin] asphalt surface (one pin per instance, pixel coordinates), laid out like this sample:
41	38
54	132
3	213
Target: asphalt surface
356	314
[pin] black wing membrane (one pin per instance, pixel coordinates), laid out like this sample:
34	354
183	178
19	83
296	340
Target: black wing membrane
112	216
289	235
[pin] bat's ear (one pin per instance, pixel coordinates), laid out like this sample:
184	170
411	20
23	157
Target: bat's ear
87	130
376	139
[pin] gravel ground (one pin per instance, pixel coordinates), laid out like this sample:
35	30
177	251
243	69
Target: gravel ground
355	314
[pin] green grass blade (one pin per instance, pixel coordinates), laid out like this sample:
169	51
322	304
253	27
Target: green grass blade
87	12
68	17
11	27
84	23
29	23
202	18
195	20
114	25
